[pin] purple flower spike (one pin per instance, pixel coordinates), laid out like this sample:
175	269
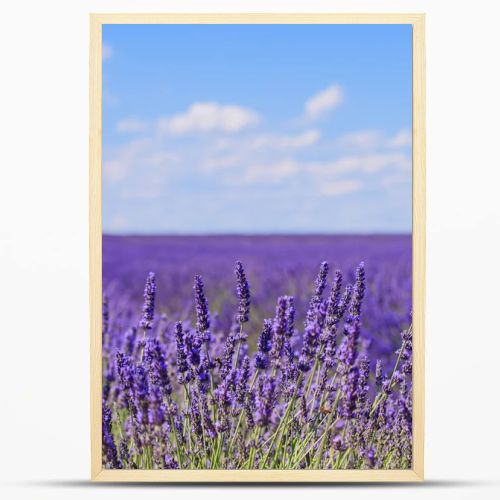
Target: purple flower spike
264	403
349	393
243	291
149	302
154	358
202	313
244	375
279	330
181	363
321	279
290	317
170	462
290	328
264	345
310	344
349	348
227	356
320	285
110	454
378	373
359	292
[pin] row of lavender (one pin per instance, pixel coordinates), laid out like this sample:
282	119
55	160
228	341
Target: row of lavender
177	395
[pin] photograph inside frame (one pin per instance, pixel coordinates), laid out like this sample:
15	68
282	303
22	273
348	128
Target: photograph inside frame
257	247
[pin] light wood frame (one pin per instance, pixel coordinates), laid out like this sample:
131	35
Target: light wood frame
417	472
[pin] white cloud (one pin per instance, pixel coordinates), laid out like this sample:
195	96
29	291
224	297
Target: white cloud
401	139
118	222
107	51
367	163
280	141
134	157
268	173
131	125
221	162
115	170
209	117
275	172
236	151
374	140
337	188
363	139
323	102
395	179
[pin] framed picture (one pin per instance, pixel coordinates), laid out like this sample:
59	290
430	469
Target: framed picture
257	247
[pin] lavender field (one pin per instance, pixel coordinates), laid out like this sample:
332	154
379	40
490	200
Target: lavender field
257	352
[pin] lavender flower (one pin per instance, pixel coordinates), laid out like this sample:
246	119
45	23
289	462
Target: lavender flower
109	447
201	304
349	348
182	363
243	291
155	360
279	330
149	302
265	401
363	388
359	292
320	285
312	335
227	357
170	462
243	378
264	345
350	393
378	373
290	328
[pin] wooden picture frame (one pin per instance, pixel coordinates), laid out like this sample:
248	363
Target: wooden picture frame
98	473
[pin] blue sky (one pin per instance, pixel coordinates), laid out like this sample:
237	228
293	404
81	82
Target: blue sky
256	129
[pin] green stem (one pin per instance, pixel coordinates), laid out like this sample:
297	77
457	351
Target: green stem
282	424
177	447
381	396
240	417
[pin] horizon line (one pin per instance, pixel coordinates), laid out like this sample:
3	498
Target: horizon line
135	234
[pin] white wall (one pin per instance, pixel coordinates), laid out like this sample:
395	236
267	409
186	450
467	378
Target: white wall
43	242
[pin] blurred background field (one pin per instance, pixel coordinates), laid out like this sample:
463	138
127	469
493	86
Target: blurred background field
275	265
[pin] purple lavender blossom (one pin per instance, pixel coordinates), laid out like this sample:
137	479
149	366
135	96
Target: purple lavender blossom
155	360
378	373
170	462
279	330
182	362
202	313
264	403
312	334
349	393
109	447
243	291
149	302
290	328
359	292
349	348
243	378
264	345
320	285
227	356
